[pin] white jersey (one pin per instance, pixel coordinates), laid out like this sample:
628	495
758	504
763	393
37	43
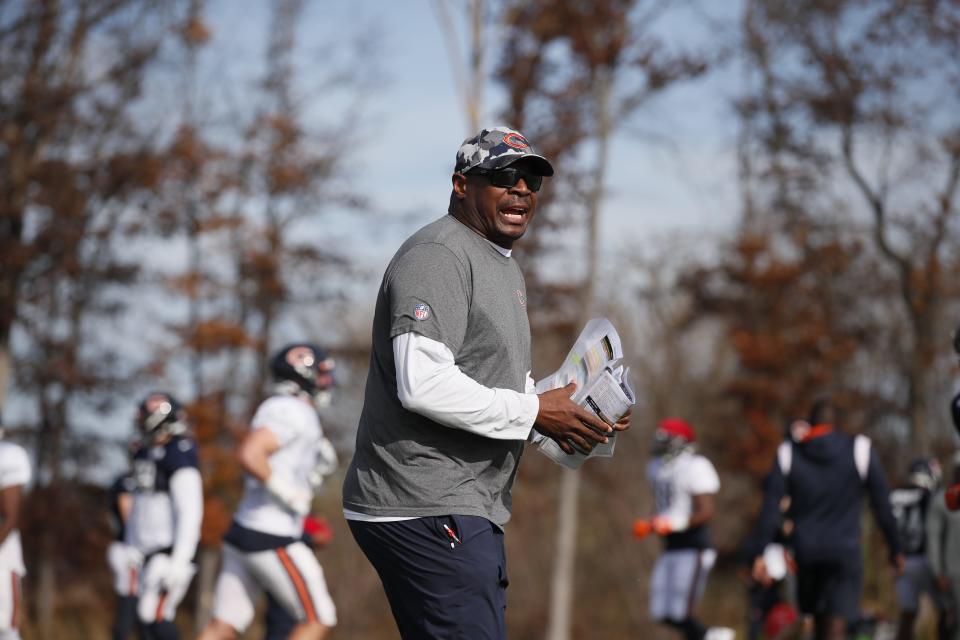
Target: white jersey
676	480
14	471
296	426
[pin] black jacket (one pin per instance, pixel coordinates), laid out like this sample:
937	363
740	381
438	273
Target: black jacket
826	498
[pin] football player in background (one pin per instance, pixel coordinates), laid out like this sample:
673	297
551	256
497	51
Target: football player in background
910	506
684	484
284	456
14	476
943	550
952	494
167	510
125	561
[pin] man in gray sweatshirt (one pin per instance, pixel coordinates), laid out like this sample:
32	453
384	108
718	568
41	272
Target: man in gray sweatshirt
450	401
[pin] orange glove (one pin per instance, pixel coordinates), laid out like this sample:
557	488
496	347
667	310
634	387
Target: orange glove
641	528
661	525
952	497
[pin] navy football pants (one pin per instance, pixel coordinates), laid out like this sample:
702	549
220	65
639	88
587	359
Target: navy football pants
445	576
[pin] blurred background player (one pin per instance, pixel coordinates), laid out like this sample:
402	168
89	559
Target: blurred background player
824	473
14	476
952	494
910	504
684	484
164	522
285	455
943	552
124	560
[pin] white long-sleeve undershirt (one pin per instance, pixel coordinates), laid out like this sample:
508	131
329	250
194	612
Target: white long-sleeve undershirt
430	383
186	494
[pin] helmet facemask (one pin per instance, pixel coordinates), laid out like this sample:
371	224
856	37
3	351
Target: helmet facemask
672	437
668	446
159	417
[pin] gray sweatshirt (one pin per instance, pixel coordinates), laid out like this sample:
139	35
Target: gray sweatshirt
943	538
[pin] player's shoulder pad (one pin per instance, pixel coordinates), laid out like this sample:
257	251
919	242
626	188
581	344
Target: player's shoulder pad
12	454
702	469
699	461
14	465
281	410
180	451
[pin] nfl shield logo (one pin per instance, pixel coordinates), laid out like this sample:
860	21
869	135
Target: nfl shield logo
421	311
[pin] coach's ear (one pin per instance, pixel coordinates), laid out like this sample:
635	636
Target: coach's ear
459	185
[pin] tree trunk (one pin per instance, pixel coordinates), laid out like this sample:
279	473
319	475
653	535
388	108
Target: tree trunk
564	576
475	90
468	74
917	410
561	587
206	581
46	590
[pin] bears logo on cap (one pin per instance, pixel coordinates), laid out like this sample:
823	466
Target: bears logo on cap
515	140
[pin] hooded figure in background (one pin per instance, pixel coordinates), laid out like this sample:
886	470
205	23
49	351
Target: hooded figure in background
825	473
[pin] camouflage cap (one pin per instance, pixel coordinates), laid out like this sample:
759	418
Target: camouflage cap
498	147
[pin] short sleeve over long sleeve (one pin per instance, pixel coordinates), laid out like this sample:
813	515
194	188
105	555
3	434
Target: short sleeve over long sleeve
429	295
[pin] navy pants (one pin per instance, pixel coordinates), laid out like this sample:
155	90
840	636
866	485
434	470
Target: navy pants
445	576
126	620
831	587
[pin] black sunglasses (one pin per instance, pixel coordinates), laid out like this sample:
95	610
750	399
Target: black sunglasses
509	177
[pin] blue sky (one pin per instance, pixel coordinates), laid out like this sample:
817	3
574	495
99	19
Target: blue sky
673	173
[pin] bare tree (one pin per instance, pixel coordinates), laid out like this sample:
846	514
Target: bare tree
75	170
59	109
573	72
469	72
853	116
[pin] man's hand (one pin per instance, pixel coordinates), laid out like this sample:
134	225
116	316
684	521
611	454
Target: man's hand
623	423
759	572
897	563
568	423
661	525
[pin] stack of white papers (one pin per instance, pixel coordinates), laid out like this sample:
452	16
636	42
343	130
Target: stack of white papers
595	364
